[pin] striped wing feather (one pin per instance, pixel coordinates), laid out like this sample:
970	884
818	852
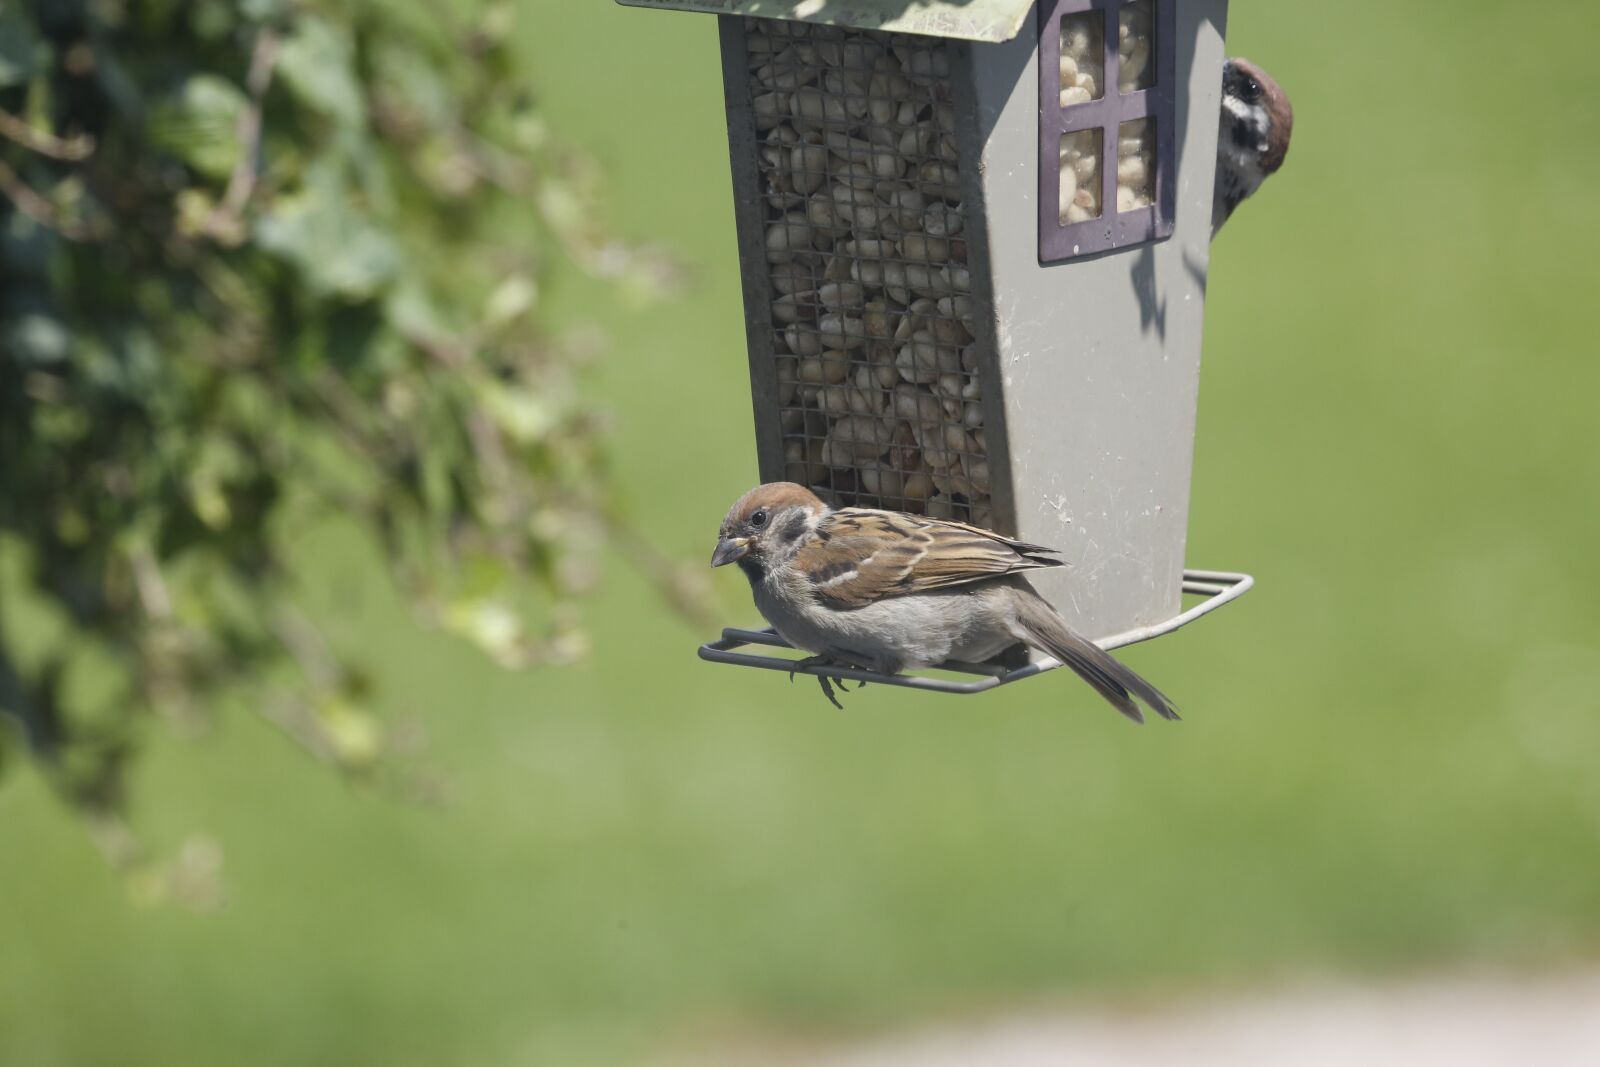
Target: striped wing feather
861	555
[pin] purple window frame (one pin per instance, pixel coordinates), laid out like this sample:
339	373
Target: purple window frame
1060	241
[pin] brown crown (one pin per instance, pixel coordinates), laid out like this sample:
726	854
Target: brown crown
1279	110
774	496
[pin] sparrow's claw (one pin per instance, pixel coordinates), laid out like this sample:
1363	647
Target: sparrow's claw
826	683
827	691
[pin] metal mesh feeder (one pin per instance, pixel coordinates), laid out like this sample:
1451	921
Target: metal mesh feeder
973	240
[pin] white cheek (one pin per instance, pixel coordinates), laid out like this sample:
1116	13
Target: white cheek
1236	107
1253	118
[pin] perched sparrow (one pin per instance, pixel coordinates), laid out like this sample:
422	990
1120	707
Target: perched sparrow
889	592
1254	136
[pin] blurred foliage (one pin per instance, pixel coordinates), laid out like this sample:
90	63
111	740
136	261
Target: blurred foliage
254	268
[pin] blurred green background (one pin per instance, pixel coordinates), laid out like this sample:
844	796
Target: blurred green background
1387	761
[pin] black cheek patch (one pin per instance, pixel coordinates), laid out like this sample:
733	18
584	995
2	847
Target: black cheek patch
795	528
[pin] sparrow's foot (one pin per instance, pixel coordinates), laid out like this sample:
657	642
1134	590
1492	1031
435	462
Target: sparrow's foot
811	661
825	682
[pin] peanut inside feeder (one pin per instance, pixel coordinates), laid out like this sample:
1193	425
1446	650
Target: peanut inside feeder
866	269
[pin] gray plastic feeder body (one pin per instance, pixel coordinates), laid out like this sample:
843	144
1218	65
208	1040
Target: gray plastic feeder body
926	333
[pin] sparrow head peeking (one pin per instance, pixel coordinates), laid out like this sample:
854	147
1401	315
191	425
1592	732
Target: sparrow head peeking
1257	119
767	526
1253	140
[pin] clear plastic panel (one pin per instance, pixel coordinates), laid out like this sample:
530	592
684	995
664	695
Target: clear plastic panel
1136	46
1136	165
1083	57
1081	155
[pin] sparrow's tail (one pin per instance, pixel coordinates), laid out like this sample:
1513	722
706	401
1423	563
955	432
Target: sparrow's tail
1043	629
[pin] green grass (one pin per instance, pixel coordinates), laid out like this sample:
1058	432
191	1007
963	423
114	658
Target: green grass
1387	760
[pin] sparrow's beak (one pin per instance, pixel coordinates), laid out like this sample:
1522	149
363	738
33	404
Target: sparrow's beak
730	549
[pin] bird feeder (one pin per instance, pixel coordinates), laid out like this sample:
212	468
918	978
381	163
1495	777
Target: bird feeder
974	237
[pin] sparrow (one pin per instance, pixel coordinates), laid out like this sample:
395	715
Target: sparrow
1253	138
891	592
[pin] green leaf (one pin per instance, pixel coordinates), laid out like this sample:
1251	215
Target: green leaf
200	124
211	20
411	310
511	299
524	416
412	78
352	733
22	51
262	10
335	247
317	63
25	248
117	81
37	338
492	625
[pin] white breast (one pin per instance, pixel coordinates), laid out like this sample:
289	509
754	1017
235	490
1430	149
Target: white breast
899	633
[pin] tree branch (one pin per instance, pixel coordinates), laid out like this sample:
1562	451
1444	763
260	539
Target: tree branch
34	139
225	222
41	210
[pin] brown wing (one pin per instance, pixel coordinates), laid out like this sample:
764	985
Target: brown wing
860	555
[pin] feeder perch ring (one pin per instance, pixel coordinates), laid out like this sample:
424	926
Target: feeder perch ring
1218	588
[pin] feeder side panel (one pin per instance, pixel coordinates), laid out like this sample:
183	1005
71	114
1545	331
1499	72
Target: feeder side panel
970	133
750	226
1099	357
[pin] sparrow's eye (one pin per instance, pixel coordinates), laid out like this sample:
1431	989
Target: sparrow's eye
758	519
1252	90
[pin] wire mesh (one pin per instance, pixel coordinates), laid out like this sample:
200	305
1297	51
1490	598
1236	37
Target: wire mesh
866	269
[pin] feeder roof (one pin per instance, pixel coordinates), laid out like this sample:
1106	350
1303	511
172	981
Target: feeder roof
968	20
